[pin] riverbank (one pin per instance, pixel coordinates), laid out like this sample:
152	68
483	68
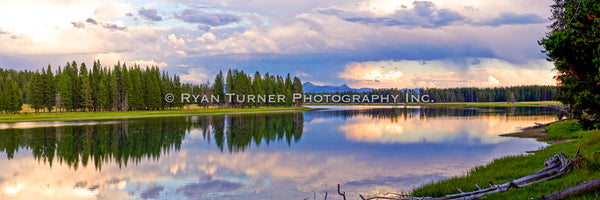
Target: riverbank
67	116
456	104
566	137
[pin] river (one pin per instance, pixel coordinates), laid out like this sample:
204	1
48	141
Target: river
294	155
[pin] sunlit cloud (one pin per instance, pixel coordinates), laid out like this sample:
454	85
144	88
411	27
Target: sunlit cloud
318	38
196	75
478	72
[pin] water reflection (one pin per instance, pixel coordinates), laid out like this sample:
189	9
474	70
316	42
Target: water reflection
130	141
257	156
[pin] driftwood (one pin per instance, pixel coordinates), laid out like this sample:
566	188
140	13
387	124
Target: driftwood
541	125
575	190
555	166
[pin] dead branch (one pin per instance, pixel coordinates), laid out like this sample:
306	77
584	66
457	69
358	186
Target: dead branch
555	166
343	194
575	190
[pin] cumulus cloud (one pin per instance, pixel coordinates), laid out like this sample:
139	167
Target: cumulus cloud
150	14
486	72
317	34
369	73
196	16
207	37
196	75
174	40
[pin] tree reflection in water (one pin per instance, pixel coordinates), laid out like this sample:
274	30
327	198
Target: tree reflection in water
131	141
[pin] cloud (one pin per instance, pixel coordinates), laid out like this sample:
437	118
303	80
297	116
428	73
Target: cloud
113	27
176	41
507	18
149	14
248	42
149	63
203	27
369	73
196	75
428	14
195	16
91	21
78	24
423	14
322	36
207	37
302	74
479	72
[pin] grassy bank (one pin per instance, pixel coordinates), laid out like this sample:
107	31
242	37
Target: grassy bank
465	104
65	116
506	169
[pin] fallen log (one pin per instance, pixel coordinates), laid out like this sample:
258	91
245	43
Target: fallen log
555	166
572	191
541	125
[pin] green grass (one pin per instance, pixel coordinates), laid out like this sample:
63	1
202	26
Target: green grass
564	131
532	133
508	168
64	116
476	104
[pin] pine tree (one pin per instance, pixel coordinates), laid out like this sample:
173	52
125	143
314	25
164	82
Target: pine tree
125	85
95	84
86	89
217	88
229	82
257	87
102	97
572	45
49	91
64	88
12	98
113	91
76	87
177	91
297	88
288	91
37	92
3	98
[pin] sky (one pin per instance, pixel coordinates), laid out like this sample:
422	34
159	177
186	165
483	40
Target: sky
361	43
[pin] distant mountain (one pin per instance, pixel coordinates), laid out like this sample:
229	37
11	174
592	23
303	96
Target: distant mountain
310	87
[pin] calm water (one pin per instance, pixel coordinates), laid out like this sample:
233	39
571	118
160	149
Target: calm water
257	156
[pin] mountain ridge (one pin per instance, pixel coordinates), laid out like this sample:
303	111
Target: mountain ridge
310	87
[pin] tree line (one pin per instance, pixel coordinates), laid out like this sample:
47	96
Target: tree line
466	94
77	87
240	83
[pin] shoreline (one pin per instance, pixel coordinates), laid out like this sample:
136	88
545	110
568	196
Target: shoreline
76	116
563	136
452	104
